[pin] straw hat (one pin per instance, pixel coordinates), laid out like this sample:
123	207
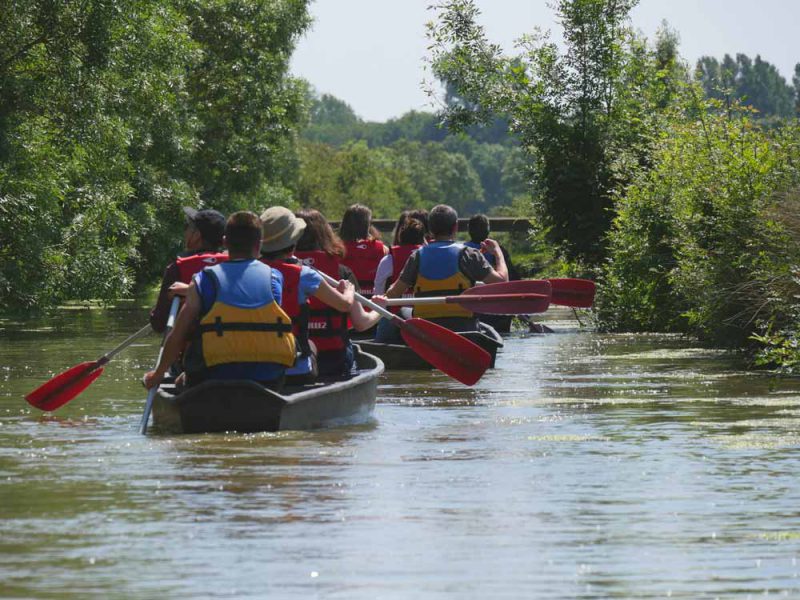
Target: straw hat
280	229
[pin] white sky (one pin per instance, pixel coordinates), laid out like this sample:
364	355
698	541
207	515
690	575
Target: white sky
370	53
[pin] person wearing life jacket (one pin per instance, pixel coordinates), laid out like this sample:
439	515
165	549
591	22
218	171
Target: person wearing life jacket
446	268
409	237
202	240
233	317
478	229
363	248
320	248
281	230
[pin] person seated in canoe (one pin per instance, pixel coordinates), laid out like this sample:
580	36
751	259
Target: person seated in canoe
232	317
202	241
363	248
328	328
281	231
446	268
409	238
478	229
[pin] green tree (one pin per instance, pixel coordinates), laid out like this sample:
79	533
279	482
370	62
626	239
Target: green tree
114	114
702	242
573	112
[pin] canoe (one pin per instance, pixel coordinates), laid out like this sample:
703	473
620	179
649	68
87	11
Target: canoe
399	357
500	323
246	406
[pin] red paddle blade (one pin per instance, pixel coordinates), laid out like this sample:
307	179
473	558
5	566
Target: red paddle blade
452	354
504	304
573	292
64	387
522	286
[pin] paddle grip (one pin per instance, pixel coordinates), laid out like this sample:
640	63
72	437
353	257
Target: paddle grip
151	394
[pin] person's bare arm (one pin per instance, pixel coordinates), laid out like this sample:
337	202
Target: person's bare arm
177	338
363	320
499	272
341	297
397	289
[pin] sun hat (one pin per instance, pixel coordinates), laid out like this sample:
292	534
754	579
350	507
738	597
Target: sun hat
280	229
210	224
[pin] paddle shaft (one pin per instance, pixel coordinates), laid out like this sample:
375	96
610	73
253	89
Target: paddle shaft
103	360
364	302
151	394
462	299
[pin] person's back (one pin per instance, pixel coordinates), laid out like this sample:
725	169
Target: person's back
479	230
232	316
242	332
363	251
445	267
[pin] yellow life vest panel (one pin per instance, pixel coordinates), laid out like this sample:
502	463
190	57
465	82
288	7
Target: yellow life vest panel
439	275
244	324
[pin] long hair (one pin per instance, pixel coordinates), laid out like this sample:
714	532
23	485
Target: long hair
318	235
401	220
421	215
412	232
357	224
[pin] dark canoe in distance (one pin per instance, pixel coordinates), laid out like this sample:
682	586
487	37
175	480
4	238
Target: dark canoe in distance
246	407
399	357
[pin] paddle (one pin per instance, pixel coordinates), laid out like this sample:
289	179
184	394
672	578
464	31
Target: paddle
151	394
578	293
504	298
452	354
64	387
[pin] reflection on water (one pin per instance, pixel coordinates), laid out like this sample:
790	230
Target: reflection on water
584	466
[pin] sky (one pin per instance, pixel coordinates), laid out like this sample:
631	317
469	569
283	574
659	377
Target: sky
370	53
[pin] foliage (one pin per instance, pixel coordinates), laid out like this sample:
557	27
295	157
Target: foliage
387	179
573	112
698	243
115	114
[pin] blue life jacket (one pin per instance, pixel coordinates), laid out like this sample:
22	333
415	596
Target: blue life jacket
242	333
439	275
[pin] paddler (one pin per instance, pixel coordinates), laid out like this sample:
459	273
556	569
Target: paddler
363	248
302	284
202	241
445	267
232	317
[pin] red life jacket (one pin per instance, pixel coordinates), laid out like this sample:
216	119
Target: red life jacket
188	266
400	255
363	257
290	300
327	327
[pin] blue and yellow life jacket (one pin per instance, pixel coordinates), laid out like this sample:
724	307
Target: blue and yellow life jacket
439	275
244	324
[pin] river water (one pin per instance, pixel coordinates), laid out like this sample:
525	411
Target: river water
584	466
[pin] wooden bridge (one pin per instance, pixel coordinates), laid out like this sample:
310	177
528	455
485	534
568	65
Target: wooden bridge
505	224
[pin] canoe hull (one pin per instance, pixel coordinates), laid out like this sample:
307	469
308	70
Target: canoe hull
246	406
399	357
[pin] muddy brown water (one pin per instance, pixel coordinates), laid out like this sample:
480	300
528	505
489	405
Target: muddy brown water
584	466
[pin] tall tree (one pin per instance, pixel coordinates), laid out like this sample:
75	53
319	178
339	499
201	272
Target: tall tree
570	110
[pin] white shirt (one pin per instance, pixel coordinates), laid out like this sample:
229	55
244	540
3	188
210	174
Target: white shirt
382	275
